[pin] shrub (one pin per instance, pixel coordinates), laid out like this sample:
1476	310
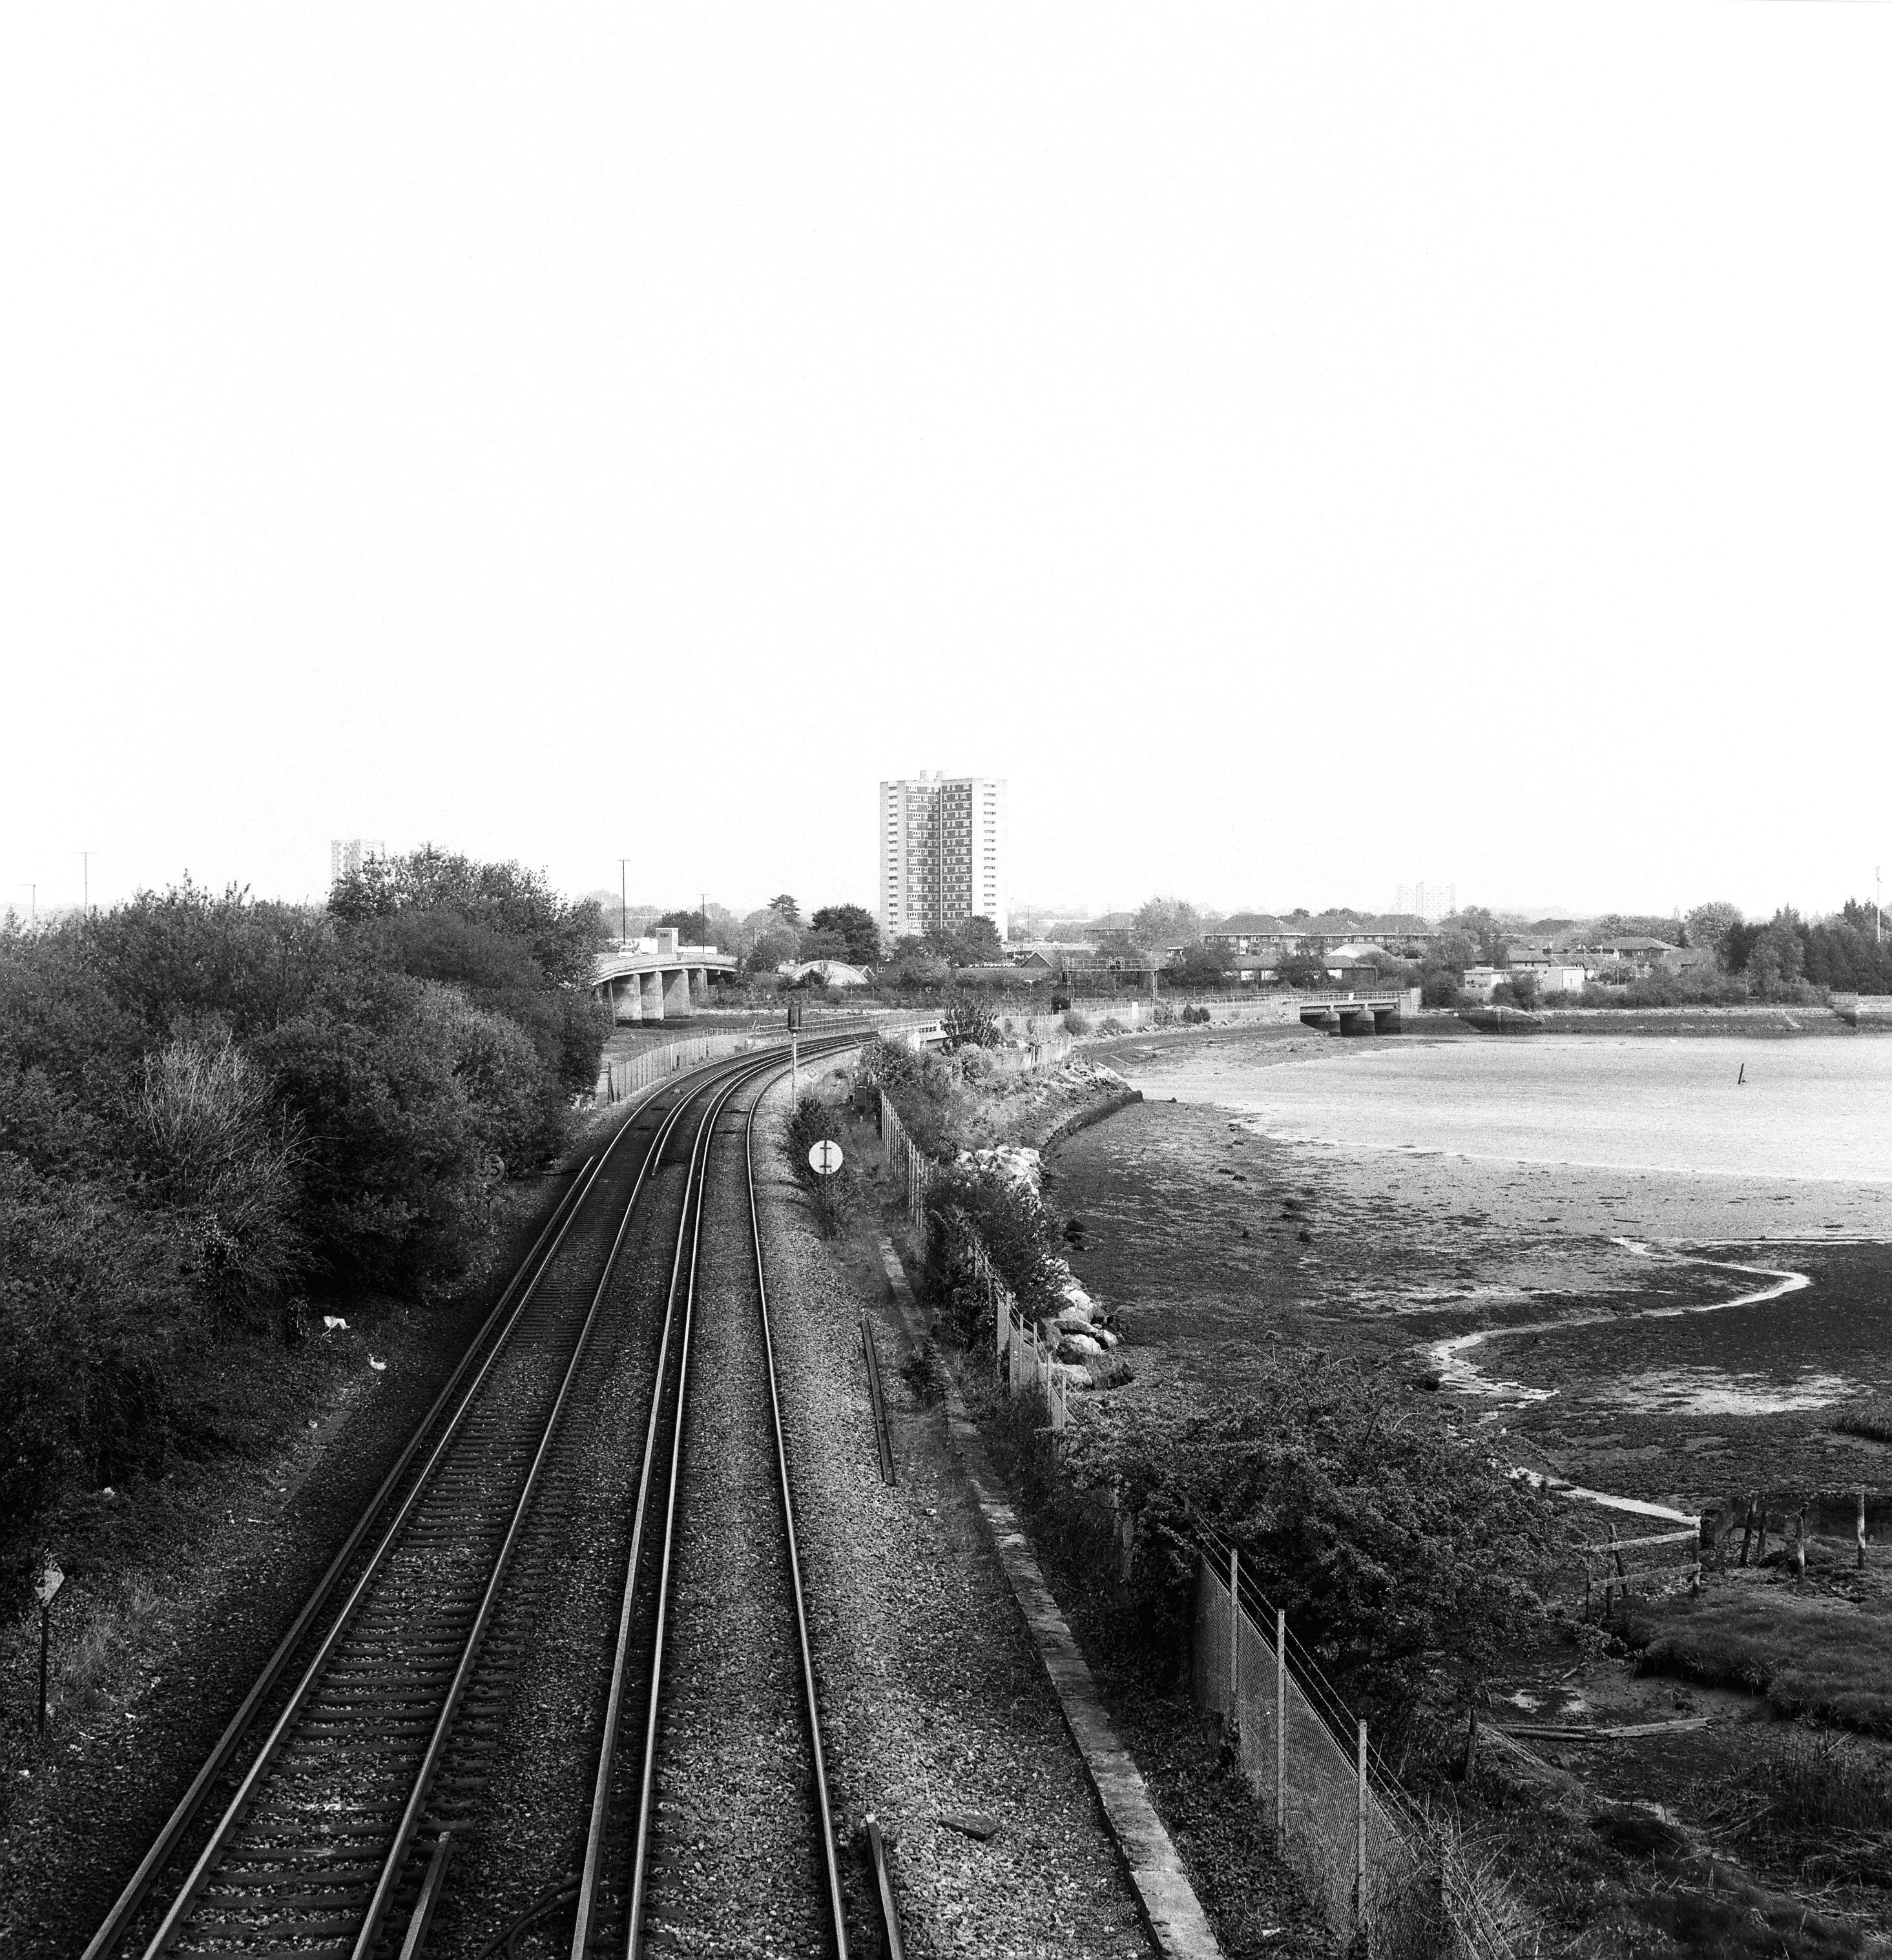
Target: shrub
1007	1218
970	1023
1395	1547
1076	1022
834	1196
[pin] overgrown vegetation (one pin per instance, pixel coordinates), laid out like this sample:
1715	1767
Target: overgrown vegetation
212	1108
1005	1217
833	1196
1870	1419
1810	1655
1405	1559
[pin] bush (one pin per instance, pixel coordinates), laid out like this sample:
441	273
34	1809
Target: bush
209	1104
1076	1022
1397	1550
833	1197
970	1023
1006	1217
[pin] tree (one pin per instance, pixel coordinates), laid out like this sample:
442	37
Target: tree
505	898
1302	969
783	904
1198	966
823	945
1402	1551
1161	923
1479	925
1709	925
857	928
703	925
765	940
1777	957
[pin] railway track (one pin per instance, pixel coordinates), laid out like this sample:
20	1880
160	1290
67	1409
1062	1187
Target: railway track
711	1826
323	1823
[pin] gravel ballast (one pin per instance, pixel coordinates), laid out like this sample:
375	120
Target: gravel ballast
939	1718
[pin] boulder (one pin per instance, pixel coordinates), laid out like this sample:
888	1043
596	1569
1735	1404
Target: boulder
1079	1348
1075	1320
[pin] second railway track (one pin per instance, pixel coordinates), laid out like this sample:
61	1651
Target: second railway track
372	1747
711	1829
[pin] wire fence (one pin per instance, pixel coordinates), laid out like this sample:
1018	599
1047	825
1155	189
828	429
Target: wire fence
1365	1850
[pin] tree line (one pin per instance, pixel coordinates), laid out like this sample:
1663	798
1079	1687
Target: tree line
217	1112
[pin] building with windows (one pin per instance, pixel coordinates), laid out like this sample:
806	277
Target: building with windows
348	854
943	852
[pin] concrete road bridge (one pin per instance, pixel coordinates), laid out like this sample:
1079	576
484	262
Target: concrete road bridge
1357	1014
656	979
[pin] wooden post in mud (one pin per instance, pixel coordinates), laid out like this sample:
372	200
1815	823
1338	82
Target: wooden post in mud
1622	1571
1861	1533
1800	1543
1747	1528
1760	1549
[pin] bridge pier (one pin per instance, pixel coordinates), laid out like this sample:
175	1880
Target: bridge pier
1387	1021
698	978
675	985
1358	1020
650	987
623	994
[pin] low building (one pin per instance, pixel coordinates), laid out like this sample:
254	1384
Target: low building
1248	935
828	972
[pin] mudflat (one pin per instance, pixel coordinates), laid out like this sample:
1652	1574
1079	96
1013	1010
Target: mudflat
1613	1198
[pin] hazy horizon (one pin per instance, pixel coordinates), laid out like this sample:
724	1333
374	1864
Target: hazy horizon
1304	450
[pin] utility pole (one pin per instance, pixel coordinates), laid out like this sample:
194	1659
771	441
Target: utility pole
623	905
1878	912
85	858
702	900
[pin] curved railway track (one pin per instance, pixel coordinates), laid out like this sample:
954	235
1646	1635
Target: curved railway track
714	1722
321	1824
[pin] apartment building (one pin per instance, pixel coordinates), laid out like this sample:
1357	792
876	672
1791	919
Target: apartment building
943	852
348	854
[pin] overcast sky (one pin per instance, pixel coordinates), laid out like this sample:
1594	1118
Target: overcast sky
1305	448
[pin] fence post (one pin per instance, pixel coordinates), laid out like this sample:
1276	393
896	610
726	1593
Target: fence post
1234	1634
1281	1730
1862	1531
1360	1857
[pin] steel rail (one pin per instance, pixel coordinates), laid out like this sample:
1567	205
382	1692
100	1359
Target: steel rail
830	1865
693	1226
491	1341
397	1850
883	1436
227	1826
591	1876
138	1888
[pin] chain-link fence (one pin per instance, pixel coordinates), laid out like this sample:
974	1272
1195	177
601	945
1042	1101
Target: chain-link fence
1362	1848
1359	1844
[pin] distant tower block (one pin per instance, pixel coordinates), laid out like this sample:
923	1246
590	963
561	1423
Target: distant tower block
943	850
348	854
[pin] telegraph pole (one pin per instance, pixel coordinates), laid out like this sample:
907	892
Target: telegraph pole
623	905
85	858
1878	912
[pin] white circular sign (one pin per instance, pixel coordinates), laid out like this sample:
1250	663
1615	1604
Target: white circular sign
825	1158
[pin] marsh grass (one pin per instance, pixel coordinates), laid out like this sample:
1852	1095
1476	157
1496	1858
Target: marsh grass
1815	1656
1872	1420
